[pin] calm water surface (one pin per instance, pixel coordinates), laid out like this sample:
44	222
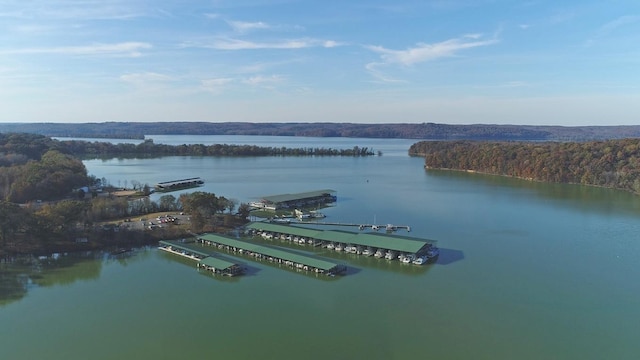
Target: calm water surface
527	271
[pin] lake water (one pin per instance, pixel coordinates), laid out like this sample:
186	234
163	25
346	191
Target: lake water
527	271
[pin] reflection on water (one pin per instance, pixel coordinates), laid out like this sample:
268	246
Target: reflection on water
583	198
20	274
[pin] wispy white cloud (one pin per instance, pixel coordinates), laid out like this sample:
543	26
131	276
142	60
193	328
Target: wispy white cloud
266	82
606	29
216	85
422	53
426	52
73	9
372	68
145	78
244	26
125	49
238	44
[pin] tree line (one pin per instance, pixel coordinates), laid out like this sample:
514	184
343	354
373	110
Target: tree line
149	149
612	163
41	225
425	130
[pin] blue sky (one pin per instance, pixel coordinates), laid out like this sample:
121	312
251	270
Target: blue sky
410	61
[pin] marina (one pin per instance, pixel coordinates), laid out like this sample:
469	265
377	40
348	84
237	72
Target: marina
204	259
390	246
503	287
256	251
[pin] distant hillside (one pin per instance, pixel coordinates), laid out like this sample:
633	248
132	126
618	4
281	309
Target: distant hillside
425	131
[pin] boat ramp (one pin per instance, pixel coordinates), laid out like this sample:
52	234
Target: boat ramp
204	259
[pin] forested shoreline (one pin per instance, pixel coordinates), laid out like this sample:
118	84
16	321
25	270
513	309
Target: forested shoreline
48	201
425	130
148	148
611	164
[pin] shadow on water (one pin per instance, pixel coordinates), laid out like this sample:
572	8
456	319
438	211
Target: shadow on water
581	197
449	256
18	275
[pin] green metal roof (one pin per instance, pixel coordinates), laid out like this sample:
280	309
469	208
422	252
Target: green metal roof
194	249
269	251
217	263
377	240
391	242
299	196
286	229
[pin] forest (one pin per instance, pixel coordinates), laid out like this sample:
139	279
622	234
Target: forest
611	163
147	148
425	130
47	199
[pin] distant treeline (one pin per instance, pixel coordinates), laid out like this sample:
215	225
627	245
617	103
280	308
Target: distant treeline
431	131
149	149
38	167
613	163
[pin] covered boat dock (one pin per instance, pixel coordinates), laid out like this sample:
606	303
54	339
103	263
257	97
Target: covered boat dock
204	259
258	251
298	200
390	246
167	186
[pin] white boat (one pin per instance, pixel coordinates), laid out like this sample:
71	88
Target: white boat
420	260
390	255
331	246
339	247
407	259
367	252
379	253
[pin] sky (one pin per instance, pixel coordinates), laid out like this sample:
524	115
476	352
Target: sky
530	62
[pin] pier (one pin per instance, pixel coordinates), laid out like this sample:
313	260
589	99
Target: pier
204	259
297	200
374	227
389	246
174	185
257	251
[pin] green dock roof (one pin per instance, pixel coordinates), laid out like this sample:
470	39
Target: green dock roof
287	229
217	263
378	240
269	251
198	250
192	248
298	196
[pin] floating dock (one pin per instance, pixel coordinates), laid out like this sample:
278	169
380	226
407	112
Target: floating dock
298	200
204	259
174	185
390	246
294	260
